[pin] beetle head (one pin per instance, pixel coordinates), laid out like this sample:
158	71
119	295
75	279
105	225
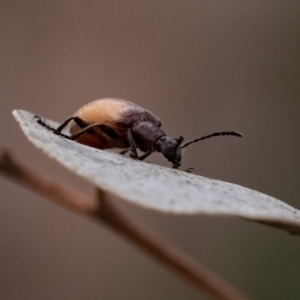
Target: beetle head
170	148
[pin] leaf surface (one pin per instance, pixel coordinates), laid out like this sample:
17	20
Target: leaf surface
155	187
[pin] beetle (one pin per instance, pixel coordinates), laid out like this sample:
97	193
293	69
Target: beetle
116	123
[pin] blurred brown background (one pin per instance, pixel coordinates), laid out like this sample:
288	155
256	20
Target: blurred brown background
201	66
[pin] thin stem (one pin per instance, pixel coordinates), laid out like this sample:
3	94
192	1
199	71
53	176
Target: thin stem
192	270
62	194
164	251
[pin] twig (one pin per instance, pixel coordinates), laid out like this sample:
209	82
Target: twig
203	278
63	195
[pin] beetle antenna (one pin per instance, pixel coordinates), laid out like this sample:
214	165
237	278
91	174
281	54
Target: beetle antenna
212	135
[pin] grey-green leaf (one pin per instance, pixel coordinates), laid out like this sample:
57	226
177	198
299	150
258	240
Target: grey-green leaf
156	187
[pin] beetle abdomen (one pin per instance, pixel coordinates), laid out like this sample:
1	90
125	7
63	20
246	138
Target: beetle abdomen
115	112
118	114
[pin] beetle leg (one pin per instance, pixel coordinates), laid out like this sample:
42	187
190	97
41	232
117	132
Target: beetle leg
190	170
145	155
81	123
87	129
107	130
132	144
39	120
124	151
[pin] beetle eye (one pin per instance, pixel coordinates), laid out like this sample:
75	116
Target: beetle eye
179	140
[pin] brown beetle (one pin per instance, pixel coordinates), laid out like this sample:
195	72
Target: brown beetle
116	123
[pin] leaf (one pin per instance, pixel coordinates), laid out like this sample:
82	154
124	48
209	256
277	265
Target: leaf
155	187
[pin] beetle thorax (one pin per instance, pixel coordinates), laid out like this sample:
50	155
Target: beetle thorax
145	135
